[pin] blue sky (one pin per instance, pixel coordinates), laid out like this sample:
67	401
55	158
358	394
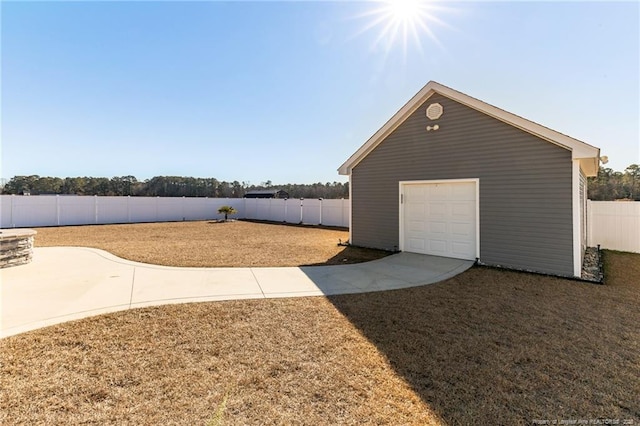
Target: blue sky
287	91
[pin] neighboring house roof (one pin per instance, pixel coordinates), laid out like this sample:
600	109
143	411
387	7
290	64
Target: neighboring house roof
588	155
267	193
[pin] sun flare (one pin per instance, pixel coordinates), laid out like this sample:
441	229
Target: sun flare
404	10
402	21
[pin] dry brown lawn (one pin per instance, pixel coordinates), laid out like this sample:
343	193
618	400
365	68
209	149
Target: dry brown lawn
486	347
210	243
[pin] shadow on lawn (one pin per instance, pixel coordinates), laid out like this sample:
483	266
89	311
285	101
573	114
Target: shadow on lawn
351	254
499	347
296	225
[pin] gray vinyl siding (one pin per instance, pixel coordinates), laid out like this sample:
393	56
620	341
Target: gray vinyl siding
525	186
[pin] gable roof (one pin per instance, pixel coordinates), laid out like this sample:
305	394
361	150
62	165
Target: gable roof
588	155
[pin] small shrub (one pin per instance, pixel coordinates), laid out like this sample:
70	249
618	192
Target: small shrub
227	210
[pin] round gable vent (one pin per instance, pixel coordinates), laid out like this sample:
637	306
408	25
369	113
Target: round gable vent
434	111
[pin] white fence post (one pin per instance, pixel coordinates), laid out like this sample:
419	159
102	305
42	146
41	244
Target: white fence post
58	210
589	224
301	210
13	224
285	209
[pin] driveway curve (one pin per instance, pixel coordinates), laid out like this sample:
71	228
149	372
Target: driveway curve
69	283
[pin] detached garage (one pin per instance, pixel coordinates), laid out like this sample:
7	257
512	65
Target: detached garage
449	175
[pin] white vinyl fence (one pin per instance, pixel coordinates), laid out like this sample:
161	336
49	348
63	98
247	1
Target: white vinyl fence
59	210
614	225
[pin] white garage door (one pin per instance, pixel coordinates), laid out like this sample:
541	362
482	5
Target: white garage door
440	219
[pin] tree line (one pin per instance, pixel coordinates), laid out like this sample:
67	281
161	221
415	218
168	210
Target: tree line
611	185
607	186
164	186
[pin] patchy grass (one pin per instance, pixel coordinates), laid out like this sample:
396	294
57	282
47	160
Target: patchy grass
486	347
622	269
278	361
501	347
213	243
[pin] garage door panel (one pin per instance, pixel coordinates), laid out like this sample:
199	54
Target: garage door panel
440	219
462	249
415	218
462	229
417	225
437	192
437	247
465	209
417	244
437	209
416	210
416	192
437	227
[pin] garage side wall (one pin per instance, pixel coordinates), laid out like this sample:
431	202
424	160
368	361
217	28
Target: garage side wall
525	186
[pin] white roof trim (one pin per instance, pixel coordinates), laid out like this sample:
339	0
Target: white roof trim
588	155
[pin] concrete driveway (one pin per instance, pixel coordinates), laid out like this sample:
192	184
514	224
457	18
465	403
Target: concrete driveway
68	283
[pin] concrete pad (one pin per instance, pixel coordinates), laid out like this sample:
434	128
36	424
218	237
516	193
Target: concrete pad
61	282
417	269
425	262
343	279
161	284
66	283
279	281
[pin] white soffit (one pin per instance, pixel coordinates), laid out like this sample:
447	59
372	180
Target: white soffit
587	154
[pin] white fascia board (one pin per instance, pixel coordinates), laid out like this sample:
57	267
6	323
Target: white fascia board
589	155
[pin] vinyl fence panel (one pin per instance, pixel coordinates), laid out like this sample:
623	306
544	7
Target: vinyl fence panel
113	210
144	209
263	208
251	208
54	210
293	210
200	209
334	212
5	211
30	211
614	225
273	210
75	210
171	209
311	211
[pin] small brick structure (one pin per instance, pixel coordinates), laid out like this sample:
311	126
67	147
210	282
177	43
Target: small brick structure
16	247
